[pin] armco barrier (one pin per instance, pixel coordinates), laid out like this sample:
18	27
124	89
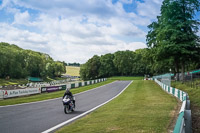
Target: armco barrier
84	83
1	94
183	123
29	91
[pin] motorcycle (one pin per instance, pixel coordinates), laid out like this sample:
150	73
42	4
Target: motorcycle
68	104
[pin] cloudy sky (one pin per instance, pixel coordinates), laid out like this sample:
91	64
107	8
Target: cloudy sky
74	31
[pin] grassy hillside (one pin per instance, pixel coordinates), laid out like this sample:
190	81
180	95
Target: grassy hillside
73	71
142	107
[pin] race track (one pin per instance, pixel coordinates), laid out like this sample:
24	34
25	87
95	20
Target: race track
41	116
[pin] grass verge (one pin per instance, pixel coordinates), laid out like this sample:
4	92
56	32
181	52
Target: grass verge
194	95
46	96
4	82
126	78
142	107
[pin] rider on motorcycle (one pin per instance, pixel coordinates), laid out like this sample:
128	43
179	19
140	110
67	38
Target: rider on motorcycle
70	96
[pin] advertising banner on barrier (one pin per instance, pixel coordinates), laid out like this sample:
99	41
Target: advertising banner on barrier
53	88
20	92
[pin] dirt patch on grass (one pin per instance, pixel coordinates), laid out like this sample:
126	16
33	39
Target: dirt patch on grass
174	116
195	118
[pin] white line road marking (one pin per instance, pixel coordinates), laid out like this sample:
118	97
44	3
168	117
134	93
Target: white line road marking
70	120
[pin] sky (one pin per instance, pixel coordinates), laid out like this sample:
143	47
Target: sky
75	31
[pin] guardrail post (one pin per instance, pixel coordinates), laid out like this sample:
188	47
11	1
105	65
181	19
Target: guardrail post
187	104
188	121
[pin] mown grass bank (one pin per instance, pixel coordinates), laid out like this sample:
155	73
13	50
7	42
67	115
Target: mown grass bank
142	107
46	96
194	96
72	70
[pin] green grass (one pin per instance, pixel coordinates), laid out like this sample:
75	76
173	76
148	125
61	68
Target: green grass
142	107
4	82
193	93
126	78
45	96
48	79
73	71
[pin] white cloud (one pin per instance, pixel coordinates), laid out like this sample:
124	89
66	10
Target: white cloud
74	31
124	27
64	8
22	18
23	38
126	1
4	4
149	8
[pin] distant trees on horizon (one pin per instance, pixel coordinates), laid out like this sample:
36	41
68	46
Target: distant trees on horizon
16	62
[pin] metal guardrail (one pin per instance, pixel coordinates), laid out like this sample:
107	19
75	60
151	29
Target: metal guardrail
183	123
40	84
11	93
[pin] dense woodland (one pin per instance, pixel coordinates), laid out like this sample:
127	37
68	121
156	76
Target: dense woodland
16	62
172	43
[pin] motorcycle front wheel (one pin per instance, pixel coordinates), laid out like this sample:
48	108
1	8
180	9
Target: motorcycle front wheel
66	109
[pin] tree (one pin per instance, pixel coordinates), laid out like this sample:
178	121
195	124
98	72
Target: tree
123	61
83	71
142	62
90	70
173	36
16	62
107	67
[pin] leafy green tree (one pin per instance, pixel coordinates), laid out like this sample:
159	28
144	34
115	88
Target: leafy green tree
107	67
93	66
174	34
142	62
16	62
83	71
90	70
123	61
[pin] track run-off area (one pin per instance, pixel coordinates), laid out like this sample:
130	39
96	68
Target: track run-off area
138	106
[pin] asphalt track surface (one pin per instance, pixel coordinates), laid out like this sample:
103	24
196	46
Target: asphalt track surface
41	116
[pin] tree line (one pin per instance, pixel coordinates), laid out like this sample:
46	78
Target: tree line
120	63
173	44
73	64
16	62
130	63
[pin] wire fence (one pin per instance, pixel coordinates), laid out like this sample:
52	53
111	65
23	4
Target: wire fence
192	78
165	78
